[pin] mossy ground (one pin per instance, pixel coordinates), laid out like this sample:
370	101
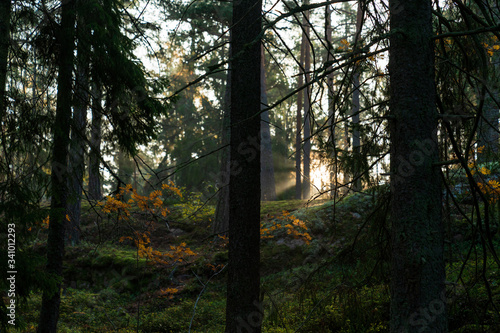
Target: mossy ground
337	283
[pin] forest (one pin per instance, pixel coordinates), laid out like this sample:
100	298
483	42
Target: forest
249	166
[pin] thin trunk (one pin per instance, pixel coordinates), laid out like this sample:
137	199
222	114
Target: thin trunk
221	222
488	135
51	299
298	135
417	267
244	307
95	190
268	186
78	138
306	187
356	142
5	12
331	106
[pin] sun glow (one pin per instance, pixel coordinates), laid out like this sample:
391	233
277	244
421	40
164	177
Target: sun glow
320	177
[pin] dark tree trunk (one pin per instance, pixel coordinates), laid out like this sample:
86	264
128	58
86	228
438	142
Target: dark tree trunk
488	135
5	10
268	186
417	273
306	187
356	141
95	191
78	138
51	299
298	134
331	106
243	307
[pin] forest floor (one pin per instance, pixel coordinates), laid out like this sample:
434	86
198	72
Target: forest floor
324	269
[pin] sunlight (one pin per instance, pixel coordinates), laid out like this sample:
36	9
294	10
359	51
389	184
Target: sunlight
320	176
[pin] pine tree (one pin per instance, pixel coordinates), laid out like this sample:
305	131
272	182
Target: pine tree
243	307
417	270
49	312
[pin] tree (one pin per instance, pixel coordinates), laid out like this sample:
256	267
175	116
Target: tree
243	286
78	125
221	221
49	312
356	142
268	187
306	186
417	272
5	8
95	188
298	127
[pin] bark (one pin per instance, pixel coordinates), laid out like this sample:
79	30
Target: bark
243	307
417	265
331	106
268	186
488	135
356	142
306	187
298	133
95	189
51	299
78	138
5	12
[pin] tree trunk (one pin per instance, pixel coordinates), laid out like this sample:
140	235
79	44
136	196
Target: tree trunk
221	222
95	190
55	243
78	138
268	186
356	142
5	11
417	267
243	307
298	134
488	125
306	187
331	106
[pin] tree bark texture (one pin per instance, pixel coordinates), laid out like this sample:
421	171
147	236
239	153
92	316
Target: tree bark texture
243	307
417	274
51	299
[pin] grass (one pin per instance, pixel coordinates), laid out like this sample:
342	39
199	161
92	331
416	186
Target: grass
326	286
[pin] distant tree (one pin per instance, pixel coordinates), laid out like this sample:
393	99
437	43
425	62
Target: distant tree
298	127
306	185
95	187
78	127
268	186
417	267
221	221
243	310
5	12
